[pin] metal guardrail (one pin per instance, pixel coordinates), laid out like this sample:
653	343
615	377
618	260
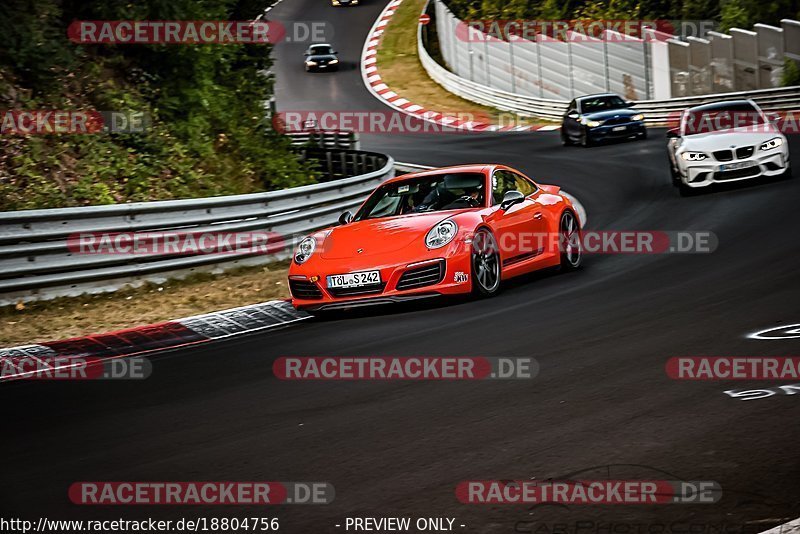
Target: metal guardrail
325	139
405	168
36	261
338	164
656	112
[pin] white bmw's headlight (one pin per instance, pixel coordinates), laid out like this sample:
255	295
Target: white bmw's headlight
638	117
775	142
441	234
590	124
693	156
305	249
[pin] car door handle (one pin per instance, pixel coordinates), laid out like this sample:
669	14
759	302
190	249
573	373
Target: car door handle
537	215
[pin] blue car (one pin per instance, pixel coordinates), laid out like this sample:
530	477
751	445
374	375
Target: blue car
593	118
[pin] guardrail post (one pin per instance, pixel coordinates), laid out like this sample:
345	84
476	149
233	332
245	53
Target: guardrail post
329	162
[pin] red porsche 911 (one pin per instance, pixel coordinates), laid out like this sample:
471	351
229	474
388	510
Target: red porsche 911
440	232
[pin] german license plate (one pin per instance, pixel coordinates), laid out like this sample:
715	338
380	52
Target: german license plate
737	165
360	279
618	128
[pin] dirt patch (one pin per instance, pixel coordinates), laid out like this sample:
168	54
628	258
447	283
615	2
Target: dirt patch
90	314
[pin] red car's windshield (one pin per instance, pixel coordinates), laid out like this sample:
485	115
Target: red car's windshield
425	194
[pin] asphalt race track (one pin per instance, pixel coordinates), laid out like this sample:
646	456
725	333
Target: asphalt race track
601	406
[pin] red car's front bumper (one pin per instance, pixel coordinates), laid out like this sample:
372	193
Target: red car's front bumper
443	274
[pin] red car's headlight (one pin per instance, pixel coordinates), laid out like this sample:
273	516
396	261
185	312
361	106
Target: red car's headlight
304	250
441	234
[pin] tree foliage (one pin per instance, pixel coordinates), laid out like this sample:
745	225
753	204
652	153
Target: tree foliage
791	73
729	13
208	134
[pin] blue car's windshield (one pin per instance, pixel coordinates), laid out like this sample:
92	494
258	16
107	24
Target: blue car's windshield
602	103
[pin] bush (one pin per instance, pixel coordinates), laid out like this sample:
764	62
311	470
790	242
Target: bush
741	13
791	73
208	134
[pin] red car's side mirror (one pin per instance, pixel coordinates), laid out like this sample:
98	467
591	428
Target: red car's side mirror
345	218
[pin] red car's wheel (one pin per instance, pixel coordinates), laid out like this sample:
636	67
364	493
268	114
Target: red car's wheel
571	246
485	264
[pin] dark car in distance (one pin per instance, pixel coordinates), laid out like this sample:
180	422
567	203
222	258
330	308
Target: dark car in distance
593	118
321	56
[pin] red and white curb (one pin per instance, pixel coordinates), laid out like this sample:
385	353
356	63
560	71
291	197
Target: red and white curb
379	89
155	337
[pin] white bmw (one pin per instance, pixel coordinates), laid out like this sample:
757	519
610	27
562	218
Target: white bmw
725	142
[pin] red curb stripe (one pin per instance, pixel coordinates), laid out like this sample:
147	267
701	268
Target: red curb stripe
120	343
155	337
